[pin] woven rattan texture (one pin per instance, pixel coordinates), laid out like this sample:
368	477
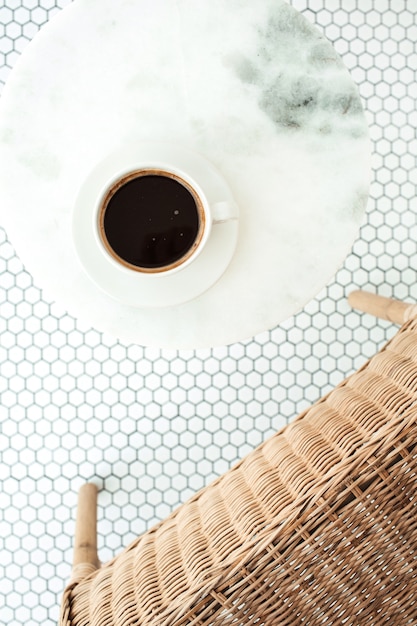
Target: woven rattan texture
318	525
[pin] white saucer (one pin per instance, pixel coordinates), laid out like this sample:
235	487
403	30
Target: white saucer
137	289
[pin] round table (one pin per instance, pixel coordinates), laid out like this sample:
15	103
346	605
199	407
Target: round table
252	87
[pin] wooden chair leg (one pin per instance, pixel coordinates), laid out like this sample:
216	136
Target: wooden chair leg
384	308
85	546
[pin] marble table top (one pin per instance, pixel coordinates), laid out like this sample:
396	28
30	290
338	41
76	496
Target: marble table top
253	87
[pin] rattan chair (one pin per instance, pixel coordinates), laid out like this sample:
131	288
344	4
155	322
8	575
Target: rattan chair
318	525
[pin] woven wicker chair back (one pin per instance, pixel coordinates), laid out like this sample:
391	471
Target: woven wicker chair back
318	525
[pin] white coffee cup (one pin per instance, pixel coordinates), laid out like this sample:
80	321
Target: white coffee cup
123	193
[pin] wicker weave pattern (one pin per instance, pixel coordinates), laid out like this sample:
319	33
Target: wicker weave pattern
316	526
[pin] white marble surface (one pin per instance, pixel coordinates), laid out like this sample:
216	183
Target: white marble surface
252	87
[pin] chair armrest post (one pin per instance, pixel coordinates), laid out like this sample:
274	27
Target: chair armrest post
385	308
85	546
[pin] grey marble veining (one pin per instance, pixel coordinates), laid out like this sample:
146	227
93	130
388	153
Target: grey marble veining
308	90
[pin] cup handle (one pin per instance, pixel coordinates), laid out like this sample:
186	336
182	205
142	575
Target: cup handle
224	211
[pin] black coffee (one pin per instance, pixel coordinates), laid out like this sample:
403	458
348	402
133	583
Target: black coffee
152	221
